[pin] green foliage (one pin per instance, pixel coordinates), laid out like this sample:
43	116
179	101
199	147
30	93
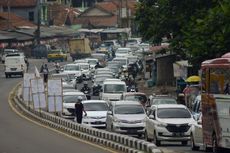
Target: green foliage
198	29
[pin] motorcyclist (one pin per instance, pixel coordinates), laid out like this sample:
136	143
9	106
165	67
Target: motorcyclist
57	67
86	90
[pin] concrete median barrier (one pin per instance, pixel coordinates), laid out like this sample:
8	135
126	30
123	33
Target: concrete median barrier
115	141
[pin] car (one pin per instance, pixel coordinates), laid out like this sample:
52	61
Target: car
197	134
196	107
96	113
56	55
6	52
73	68
69	100
85	70
126	117
97	83
134	96
168	122
162	99
123	52
123	61
68	80
92	63
112	89
112	43
133	43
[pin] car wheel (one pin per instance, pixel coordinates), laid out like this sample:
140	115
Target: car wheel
146	136
184	143
215	148
193	146
156	141
6	75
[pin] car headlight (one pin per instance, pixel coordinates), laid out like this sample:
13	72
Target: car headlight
161	125
116	120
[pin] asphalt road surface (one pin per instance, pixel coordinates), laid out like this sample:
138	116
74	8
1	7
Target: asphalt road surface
18	135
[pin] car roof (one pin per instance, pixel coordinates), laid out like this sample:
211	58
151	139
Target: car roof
169	106
124	48
73	93
133	93
126	102
94	101
72	64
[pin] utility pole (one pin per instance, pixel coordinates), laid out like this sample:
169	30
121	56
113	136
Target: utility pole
38	31
127	13
8	10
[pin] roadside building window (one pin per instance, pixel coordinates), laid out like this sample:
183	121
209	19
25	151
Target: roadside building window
31	16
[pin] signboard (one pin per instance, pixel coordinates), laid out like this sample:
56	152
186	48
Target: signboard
55	96
38	93
27	97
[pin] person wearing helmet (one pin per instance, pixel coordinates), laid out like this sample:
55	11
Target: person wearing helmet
79	109
86	90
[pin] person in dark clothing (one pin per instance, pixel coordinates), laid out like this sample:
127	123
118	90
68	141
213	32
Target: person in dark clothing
79	109
45	71
98	65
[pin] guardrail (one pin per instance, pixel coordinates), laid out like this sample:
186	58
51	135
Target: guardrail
116	141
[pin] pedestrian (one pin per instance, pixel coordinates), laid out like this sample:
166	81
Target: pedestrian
45	72
79	109
57	67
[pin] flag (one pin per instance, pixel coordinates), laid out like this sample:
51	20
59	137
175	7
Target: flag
37	74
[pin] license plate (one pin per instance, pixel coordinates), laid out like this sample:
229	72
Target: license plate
178	134
13	69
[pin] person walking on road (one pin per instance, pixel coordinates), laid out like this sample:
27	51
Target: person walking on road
79	109
45	71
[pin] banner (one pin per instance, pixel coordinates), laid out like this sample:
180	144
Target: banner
27	97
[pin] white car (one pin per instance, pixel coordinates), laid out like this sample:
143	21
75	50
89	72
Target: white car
92	63
68	80
70	98
123	61
168	122
85	70
123	52
197	135
96	113
127	117
72	68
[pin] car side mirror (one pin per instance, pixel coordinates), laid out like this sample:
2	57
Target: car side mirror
152	117
109	113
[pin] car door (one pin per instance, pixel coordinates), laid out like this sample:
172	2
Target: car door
198	131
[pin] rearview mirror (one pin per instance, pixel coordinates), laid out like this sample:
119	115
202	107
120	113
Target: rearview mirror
109	113
152	117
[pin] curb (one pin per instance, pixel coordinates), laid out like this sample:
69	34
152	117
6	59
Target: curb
115	141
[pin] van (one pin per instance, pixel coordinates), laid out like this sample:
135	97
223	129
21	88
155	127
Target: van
15	65
112	89
6	52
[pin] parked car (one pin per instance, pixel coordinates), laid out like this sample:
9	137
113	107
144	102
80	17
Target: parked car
169	123
126	117
96	113
197	134
69	100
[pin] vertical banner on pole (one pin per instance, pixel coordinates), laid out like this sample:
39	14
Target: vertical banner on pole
27	97
38	93
55	96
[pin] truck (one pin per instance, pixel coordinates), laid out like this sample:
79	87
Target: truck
79	48
215	102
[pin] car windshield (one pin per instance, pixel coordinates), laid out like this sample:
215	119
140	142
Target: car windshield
132	41
129	109
99	79
121	61
114	88
114	69
136	97
85	67
96	107
108	43
164	101
122	51
72	98
71	68
92	62
173	113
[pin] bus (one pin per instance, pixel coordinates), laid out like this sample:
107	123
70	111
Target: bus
215	102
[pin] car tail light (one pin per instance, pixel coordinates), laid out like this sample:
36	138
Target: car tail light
22	67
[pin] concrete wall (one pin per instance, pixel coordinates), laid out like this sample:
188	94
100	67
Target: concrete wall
165	69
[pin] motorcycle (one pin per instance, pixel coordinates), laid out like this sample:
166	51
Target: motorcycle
96	90
132	88
87	93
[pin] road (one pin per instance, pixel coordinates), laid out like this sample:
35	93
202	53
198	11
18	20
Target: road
19	135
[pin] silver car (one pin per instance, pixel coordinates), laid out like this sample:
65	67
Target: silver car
127	117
